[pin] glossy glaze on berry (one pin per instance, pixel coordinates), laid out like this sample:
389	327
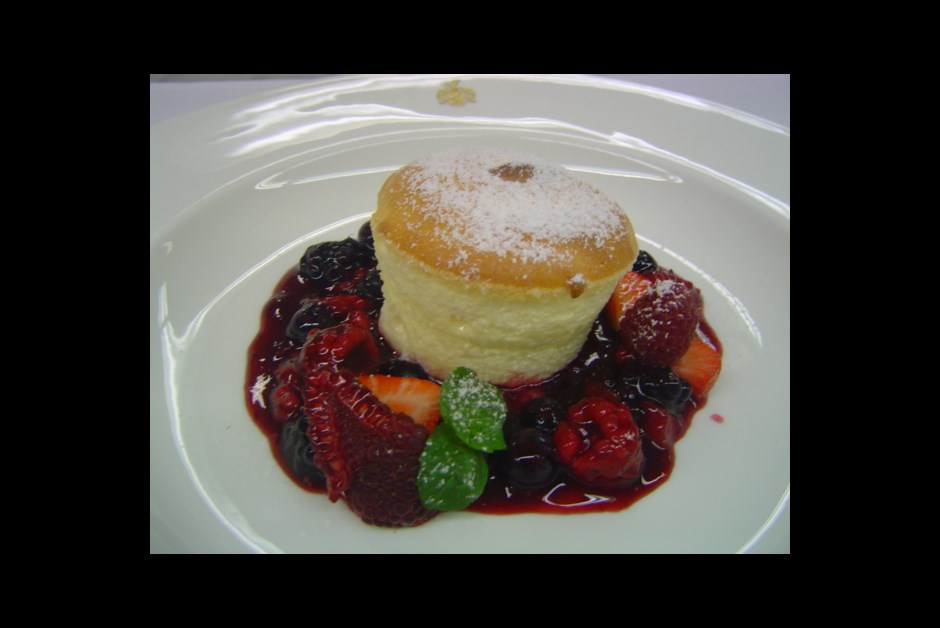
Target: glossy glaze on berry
329	263
331	301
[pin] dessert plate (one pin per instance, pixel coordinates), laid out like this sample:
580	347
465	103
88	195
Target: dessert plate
254	181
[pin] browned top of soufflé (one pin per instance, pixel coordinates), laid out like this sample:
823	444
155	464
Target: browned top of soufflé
498	216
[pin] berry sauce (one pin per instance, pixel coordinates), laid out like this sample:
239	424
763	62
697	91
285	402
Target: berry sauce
271	349
600	370
567	496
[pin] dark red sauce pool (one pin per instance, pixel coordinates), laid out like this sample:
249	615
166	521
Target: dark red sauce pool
597	371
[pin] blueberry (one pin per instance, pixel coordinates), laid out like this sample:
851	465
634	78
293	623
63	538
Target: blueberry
530	460
328	263
402	368
658	384
312	315
542	413
297	452
644	263
627	387
666	388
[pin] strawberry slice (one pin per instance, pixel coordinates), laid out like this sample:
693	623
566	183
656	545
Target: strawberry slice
418	398
348	345
368	453
699	365
629	289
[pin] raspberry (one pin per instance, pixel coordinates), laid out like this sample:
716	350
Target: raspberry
600	444
347	346
368	453
659	327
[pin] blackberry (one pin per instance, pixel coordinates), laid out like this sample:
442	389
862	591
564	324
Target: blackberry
370	286
365	238
644	263
328	263
297	453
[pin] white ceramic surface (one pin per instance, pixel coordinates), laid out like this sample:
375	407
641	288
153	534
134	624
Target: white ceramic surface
260	178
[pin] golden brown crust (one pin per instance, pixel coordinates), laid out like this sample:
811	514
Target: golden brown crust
447	212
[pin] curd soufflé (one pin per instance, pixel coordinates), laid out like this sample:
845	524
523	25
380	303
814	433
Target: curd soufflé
496	261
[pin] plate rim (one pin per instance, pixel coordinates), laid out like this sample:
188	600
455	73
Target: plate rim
782	510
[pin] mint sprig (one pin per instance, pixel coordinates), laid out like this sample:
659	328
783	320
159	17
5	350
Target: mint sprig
475	409
452	475
453	471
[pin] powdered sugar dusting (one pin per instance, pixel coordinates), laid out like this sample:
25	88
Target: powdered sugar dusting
665	286
512	204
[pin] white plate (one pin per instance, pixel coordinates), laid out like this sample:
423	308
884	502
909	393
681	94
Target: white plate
707	189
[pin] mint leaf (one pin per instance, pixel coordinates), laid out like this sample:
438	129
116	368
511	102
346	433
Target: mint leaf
475	409
451	476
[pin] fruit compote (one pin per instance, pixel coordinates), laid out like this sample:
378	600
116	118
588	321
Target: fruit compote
596	436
